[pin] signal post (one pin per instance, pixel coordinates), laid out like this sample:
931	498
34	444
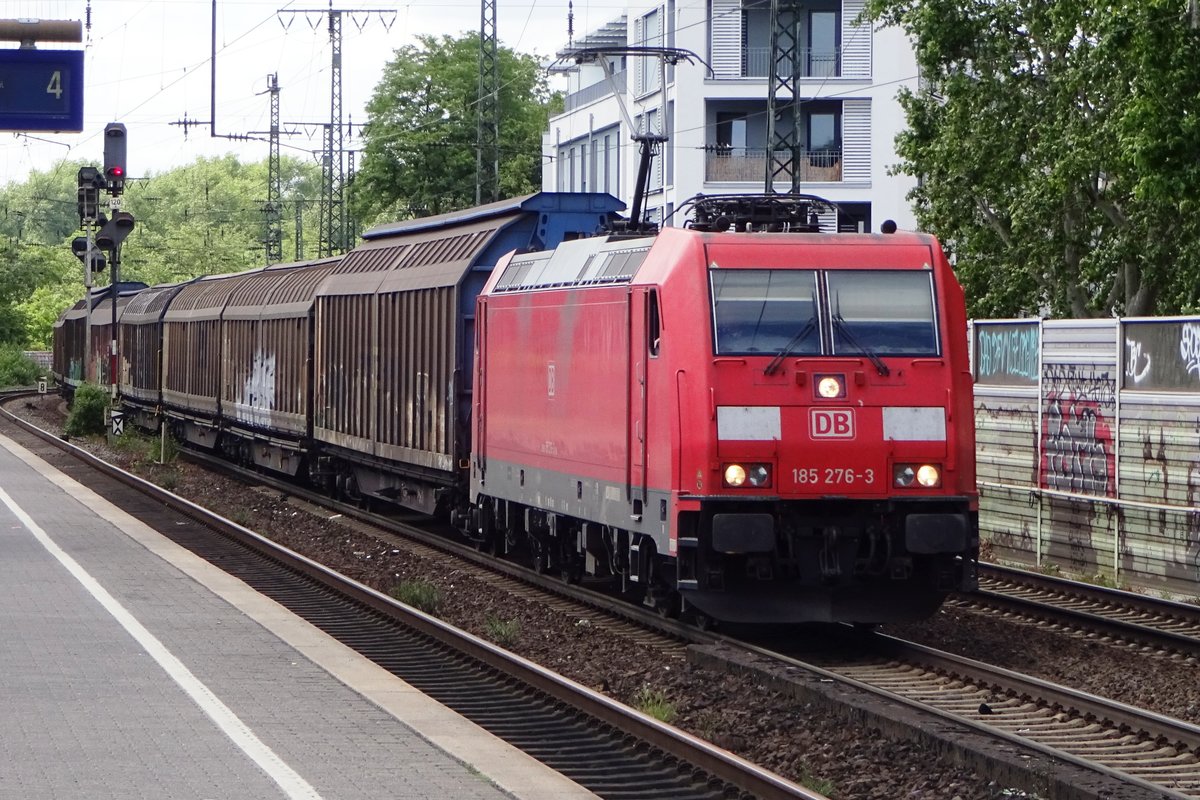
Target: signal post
109	233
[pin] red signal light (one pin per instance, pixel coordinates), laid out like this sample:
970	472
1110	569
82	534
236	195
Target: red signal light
116	172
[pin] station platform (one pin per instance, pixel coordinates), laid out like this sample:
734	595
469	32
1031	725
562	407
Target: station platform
130	668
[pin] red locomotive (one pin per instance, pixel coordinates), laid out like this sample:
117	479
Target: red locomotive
743	417
766	426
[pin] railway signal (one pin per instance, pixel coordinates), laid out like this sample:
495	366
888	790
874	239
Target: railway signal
115	157
87	252
90	183
113	232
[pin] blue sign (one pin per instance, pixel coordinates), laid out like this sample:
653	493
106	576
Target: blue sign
41	90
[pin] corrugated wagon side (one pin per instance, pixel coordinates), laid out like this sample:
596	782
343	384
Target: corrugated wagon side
100	355
193	355
266	338
395	342
69	358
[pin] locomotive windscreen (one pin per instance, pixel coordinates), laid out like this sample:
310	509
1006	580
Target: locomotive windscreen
763	310
823	312
883	312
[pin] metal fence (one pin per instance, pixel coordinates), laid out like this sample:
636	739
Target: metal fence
43	358
1088	436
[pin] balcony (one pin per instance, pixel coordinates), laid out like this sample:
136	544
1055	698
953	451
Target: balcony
589	94
822	63
749	165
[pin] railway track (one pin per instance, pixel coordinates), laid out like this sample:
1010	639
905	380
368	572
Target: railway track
1129	747
611	749
1167	627
1149	750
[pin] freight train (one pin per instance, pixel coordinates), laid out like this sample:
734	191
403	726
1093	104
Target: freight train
742	417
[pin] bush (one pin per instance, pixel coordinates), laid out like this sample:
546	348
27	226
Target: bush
17	369
654	702
88	412
502	632
419	594
144	449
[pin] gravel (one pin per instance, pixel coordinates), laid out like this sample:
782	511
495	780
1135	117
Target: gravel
829	752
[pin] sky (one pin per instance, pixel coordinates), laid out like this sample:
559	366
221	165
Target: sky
147	65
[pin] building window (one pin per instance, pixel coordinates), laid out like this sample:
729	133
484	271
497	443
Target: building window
651	36
669	146
607	163
731	132
824	138
822	44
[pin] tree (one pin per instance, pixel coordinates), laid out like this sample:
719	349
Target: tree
1056	149
199	219
420	137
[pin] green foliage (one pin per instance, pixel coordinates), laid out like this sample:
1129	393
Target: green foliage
88	411
1056	146
418	594
502	632
199	219
16	369
420	151
654	703
145	450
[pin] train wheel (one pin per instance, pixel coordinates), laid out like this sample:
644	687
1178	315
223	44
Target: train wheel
484	537
698	618
666	602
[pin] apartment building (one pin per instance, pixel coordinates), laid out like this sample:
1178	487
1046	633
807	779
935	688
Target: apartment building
714	114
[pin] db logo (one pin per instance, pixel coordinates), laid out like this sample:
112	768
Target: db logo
831	423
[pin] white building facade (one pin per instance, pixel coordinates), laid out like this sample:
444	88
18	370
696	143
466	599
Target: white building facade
716	123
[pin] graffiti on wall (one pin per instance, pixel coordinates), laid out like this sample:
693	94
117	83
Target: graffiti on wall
1161	356
1007	353
1079	404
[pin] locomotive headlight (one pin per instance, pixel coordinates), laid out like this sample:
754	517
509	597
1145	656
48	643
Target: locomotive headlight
735	475
759	475
755	475
929	476
830	386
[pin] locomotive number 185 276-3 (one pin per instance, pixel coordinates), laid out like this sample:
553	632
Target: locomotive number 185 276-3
839	476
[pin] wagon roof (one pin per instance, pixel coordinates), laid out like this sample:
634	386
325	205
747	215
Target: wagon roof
286	290
419	259
206	297
148	306
538	202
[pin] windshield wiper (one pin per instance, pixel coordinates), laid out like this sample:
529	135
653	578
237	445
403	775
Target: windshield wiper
839	322
777	361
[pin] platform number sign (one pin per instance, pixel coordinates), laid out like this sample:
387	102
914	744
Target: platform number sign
41	90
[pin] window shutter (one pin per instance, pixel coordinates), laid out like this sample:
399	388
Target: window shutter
856	42
726	33
856	140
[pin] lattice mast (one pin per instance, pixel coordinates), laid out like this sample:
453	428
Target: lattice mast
274	207
333	231
783	79
487	116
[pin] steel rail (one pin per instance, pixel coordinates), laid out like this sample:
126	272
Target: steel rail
1162	623
715	761
1080	725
